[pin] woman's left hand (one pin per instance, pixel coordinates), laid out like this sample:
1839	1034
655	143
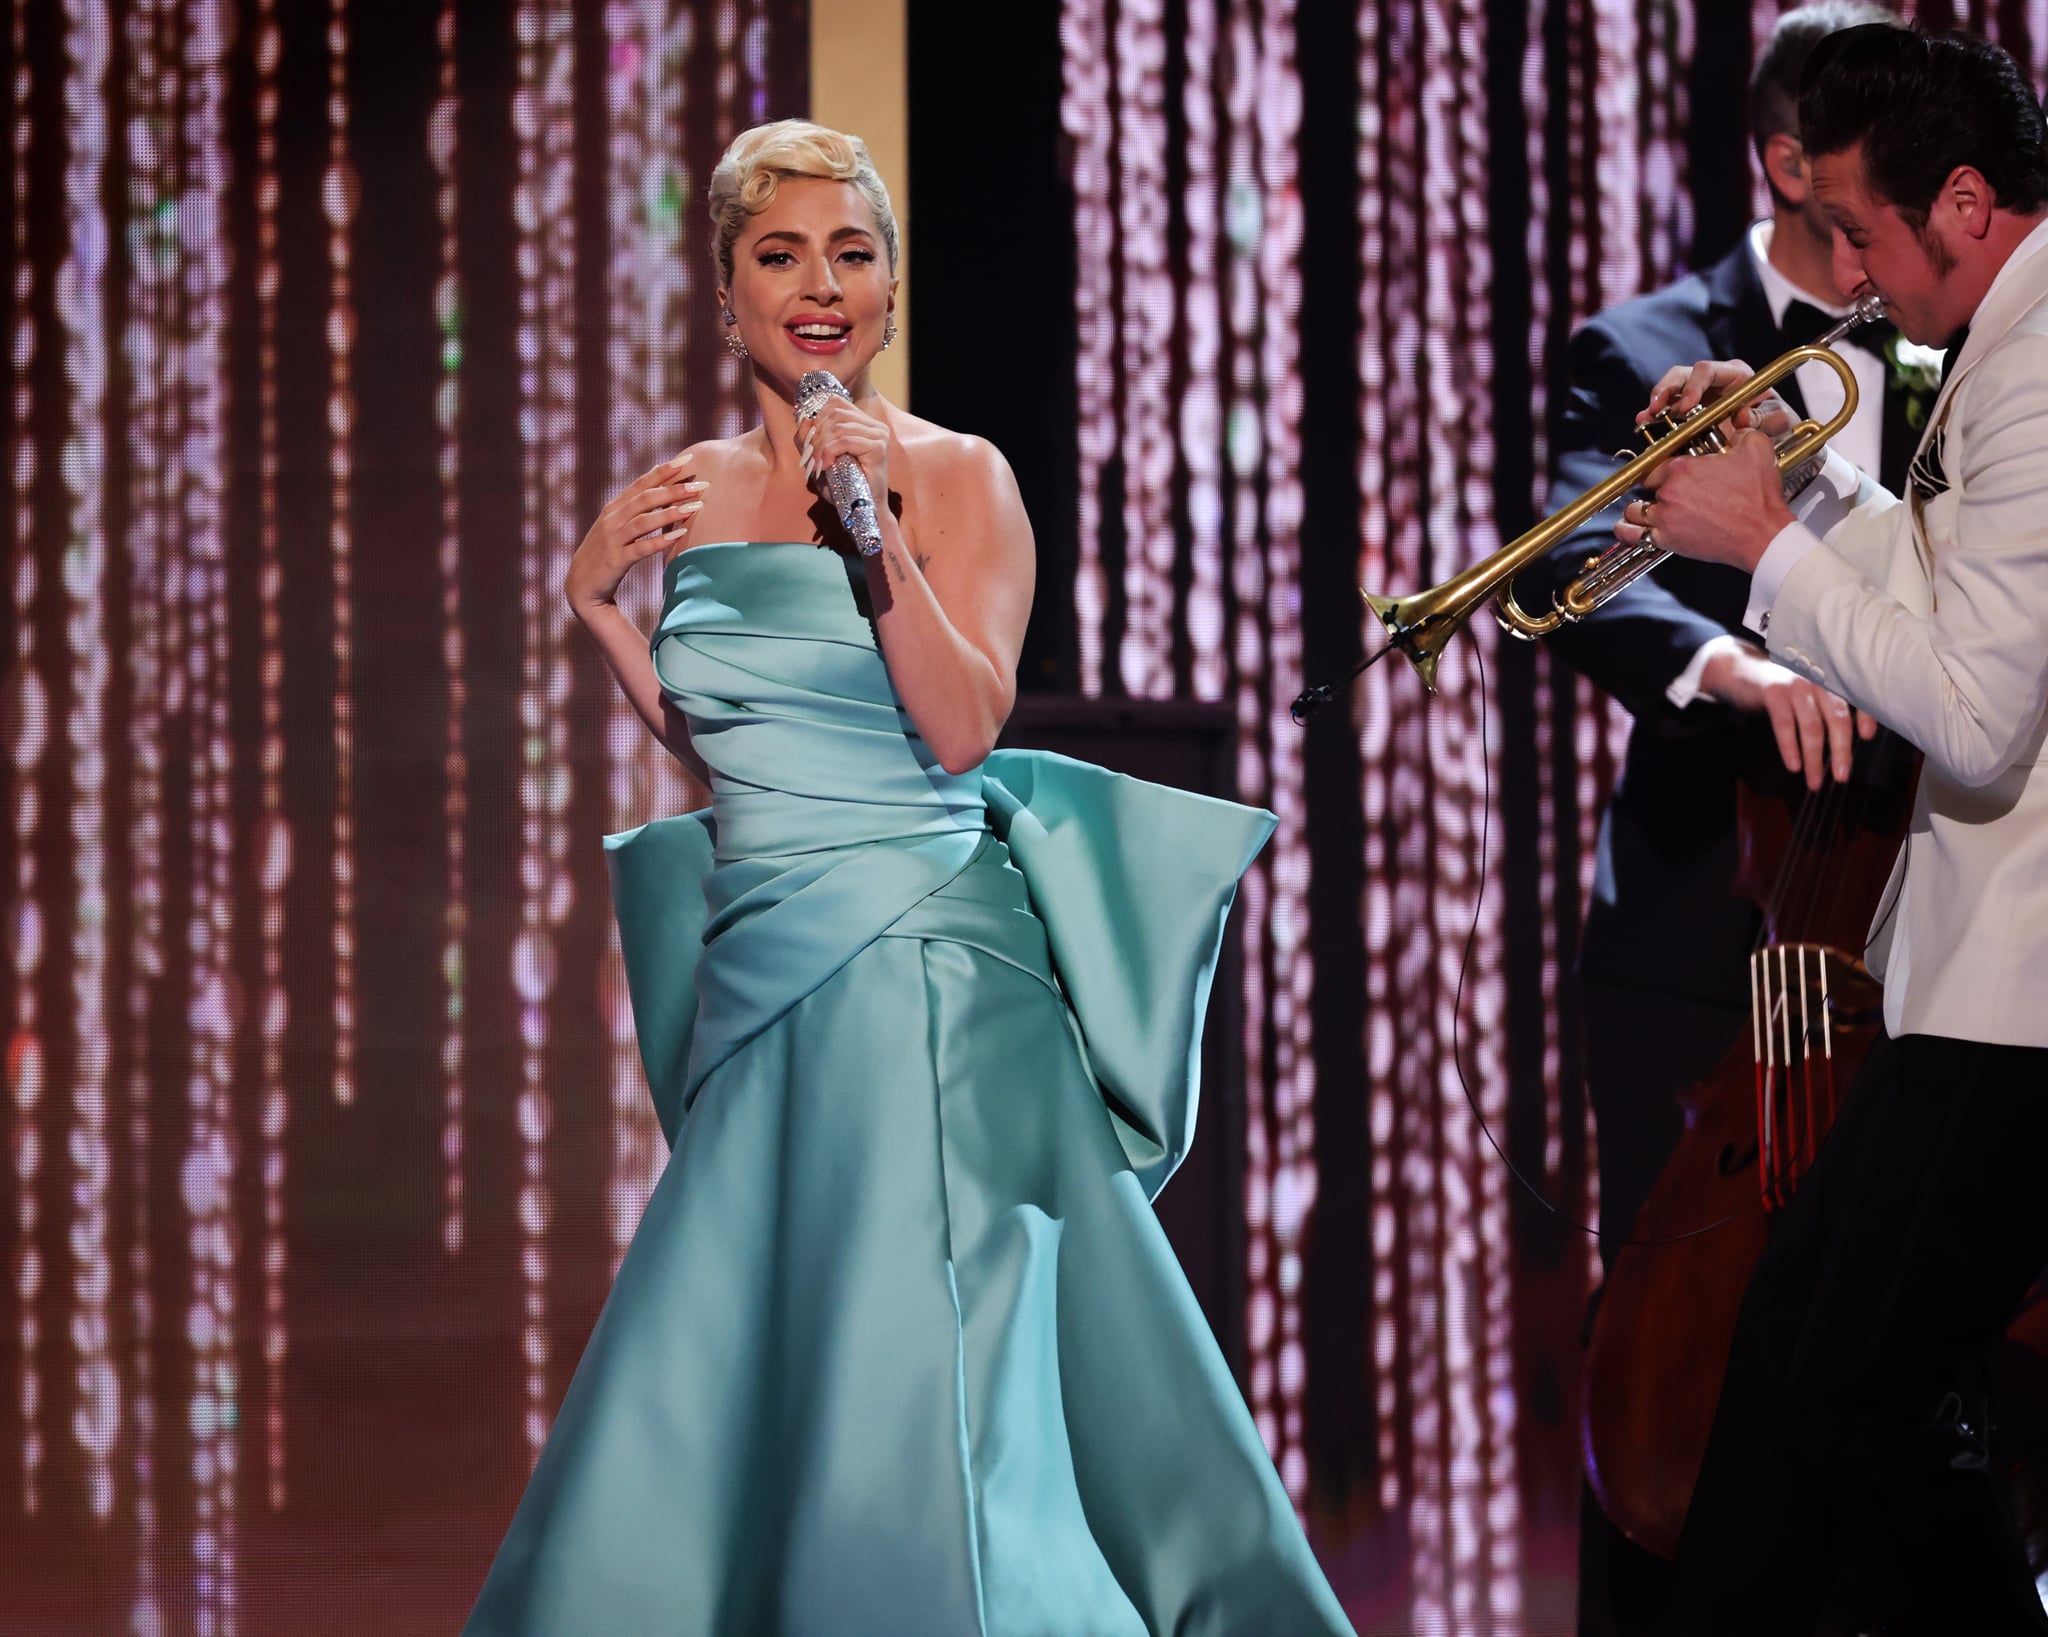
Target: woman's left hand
843	428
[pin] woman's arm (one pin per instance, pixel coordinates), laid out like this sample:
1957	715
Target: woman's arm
950	614
648	515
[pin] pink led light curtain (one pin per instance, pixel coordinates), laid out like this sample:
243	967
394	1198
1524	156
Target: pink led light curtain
1471	181
331	326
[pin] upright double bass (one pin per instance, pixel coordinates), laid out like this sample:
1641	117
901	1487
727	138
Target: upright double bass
1819	866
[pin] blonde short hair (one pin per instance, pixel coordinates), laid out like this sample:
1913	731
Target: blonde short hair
759	160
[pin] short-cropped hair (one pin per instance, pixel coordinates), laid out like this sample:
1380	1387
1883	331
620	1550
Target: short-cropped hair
1774	81
1921	105
760	160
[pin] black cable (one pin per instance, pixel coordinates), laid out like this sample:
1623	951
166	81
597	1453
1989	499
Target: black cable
1458	1009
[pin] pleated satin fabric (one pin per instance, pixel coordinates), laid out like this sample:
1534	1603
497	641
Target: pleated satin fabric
899	1347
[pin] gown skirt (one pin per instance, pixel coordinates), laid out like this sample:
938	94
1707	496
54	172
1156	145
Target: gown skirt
899	1347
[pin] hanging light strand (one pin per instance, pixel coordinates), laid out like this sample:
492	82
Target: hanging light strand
81	315
338	198
1201	427
561	522
273	850
150	295
209	1176
735	379
756	55
1086	118
448	319
1145	329
544	216
533	951
29	709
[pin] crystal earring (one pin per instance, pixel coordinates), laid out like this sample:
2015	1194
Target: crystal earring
733	343
888	334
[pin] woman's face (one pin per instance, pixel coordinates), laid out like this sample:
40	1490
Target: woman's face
811	285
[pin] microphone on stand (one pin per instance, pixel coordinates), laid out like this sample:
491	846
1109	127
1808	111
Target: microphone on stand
845	482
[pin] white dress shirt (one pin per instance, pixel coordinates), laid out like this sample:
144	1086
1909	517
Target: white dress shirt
1861	442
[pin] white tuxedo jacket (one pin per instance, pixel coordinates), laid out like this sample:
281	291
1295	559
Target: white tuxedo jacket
1932	615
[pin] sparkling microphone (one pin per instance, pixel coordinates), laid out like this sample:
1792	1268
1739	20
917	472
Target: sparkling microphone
845	483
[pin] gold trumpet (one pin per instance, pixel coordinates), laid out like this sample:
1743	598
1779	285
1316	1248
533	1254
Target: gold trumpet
1420	625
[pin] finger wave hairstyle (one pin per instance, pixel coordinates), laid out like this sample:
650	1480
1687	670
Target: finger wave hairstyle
762	159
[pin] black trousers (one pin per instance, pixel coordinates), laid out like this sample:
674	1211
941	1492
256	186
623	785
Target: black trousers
1849	1424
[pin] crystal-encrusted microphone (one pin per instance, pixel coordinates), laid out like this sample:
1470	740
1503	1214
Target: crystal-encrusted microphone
845	482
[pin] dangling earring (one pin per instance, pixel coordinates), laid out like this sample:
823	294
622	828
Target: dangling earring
888	334
733	343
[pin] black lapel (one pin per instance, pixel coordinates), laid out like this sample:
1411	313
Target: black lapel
1739	321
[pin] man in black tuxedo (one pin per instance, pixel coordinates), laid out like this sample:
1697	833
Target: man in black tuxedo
1663	960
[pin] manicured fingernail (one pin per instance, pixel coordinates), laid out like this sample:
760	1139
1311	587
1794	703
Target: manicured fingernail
691	506
695	488
675	532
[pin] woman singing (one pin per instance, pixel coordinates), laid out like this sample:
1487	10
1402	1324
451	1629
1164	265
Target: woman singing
899	1346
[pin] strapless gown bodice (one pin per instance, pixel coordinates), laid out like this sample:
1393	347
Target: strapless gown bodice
769	652
899	1347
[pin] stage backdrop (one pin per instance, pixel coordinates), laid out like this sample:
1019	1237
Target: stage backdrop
331	325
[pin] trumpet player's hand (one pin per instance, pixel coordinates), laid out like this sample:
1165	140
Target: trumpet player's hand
1816	732
1686	386
1723	508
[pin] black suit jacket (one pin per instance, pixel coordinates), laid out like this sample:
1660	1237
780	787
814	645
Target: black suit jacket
1662	916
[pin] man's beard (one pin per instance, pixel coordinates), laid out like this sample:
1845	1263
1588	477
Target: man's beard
1941	260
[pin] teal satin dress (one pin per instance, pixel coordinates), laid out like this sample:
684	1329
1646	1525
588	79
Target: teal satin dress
899	1347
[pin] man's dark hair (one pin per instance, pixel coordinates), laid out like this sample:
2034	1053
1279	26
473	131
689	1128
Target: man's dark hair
1774	81
1921	105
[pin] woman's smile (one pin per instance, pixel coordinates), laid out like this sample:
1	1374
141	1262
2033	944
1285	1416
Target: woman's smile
821	335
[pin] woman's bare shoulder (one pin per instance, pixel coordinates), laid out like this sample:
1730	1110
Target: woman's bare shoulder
958	463
960	485
930	441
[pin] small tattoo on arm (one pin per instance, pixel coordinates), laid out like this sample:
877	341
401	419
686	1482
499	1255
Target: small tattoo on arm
896	568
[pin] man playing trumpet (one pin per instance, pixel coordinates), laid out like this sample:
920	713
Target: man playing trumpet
1664	951
1843	1424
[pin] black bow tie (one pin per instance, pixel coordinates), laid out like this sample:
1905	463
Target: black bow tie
1805	323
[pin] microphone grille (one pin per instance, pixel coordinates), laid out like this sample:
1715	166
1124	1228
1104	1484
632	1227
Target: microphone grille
813	387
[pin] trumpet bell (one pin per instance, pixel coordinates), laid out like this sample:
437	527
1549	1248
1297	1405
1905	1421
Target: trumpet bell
1419	630
1408	636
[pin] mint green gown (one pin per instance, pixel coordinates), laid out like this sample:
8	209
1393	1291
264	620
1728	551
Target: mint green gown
899	1347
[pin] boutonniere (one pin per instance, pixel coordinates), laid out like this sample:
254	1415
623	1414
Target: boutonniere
1916	371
